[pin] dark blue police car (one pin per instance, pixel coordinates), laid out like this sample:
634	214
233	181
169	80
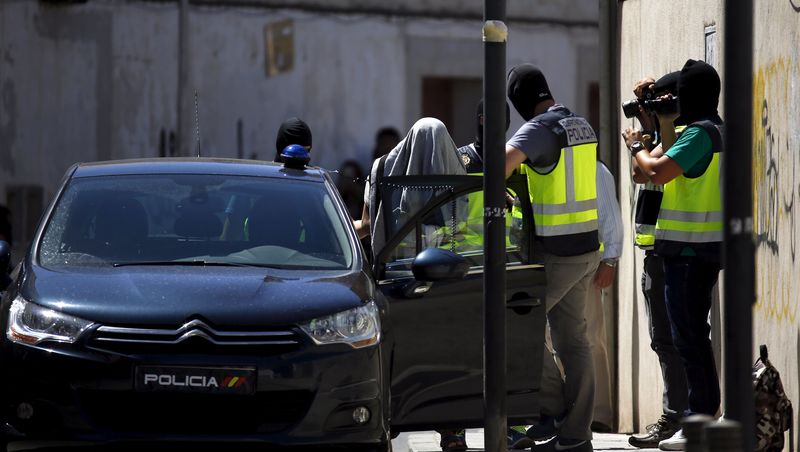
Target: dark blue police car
224	300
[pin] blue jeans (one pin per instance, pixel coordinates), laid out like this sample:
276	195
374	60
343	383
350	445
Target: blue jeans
689	282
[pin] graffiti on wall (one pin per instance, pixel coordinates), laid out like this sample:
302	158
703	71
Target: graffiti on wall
776	188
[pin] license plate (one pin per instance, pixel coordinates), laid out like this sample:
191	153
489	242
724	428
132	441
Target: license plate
208	380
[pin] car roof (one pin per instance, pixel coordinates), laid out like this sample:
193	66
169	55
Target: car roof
201	165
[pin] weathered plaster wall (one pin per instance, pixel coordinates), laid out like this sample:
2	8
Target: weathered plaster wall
352	74
80	84
572	11
99	80
776	185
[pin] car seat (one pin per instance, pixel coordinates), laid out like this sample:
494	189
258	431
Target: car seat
196	218
121	227
274	221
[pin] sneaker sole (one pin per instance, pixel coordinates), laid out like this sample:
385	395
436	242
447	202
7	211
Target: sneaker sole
546	437
643	444
672	446
522	443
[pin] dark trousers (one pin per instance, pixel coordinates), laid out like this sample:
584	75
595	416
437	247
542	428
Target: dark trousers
676	392
689	282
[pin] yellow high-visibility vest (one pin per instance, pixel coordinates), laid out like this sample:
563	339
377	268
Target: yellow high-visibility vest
564	200
645	236
691	210
471	229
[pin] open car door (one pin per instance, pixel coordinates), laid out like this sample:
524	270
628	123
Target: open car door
437	327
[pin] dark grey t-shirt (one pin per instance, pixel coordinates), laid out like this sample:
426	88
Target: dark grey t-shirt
539	143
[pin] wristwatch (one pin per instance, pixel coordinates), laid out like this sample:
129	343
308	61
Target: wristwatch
637	146
610	262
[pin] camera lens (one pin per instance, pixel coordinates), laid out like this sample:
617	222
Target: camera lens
630	108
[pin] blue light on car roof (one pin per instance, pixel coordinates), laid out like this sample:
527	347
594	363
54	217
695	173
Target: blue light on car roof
295	156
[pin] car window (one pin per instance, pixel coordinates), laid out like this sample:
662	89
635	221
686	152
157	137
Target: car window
456	224
233	220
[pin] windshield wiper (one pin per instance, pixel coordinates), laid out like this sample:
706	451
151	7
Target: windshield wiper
203	263
193	263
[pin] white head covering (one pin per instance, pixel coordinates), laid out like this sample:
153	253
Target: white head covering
426	149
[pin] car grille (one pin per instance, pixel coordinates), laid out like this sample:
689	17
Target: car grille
176	413
194	336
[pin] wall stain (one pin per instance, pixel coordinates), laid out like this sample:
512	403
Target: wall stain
8	58
8	130
93	27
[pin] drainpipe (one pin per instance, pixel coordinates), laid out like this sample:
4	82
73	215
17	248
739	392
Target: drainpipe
738	247
609	143
609	86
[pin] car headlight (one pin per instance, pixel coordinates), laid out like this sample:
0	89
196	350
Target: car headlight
29	323
358	327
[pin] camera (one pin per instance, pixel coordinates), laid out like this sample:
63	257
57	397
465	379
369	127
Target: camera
658	106
630	108
650	103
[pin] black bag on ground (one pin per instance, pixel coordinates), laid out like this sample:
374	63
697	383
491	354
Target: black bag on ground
773	408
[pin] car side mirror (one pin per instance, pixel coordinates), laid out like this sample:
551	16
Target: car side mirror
436	264
5	261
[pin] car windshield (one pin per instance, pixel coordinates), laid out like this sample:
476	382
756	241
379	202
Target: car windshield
196	219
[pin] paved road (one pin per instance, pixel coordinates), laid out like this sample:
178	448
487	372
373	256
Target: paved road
429	442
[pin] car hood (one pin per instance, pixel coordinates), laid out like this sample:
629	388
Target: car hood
235	296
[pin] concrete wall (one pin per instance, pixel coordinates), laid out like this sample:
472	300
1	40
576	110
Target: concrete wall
776	185
99	80
658	37
530	10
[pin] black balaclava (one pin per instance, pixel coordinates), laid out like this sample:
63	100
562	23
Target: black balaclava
479	137
292	131
667	84
698	92
527	87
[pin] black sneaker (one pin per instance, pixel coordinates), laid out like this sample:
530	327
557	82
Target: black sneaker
546	428
558	444
661	430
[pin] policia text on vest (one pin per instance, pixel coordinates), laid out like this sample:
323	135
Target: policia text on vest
565	198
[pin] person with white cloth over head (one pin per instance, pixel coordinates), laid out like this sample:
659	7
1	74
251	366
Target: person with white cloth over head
427	149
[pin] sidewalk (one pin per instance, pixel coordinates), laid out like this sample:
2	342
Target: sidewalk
429	442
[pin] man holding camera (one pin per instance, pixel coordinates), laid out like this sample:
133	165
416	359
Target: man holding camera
647	206
689	228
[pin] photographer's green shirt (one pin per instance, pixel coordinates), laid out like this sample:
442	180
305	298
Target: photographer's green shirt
692	151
